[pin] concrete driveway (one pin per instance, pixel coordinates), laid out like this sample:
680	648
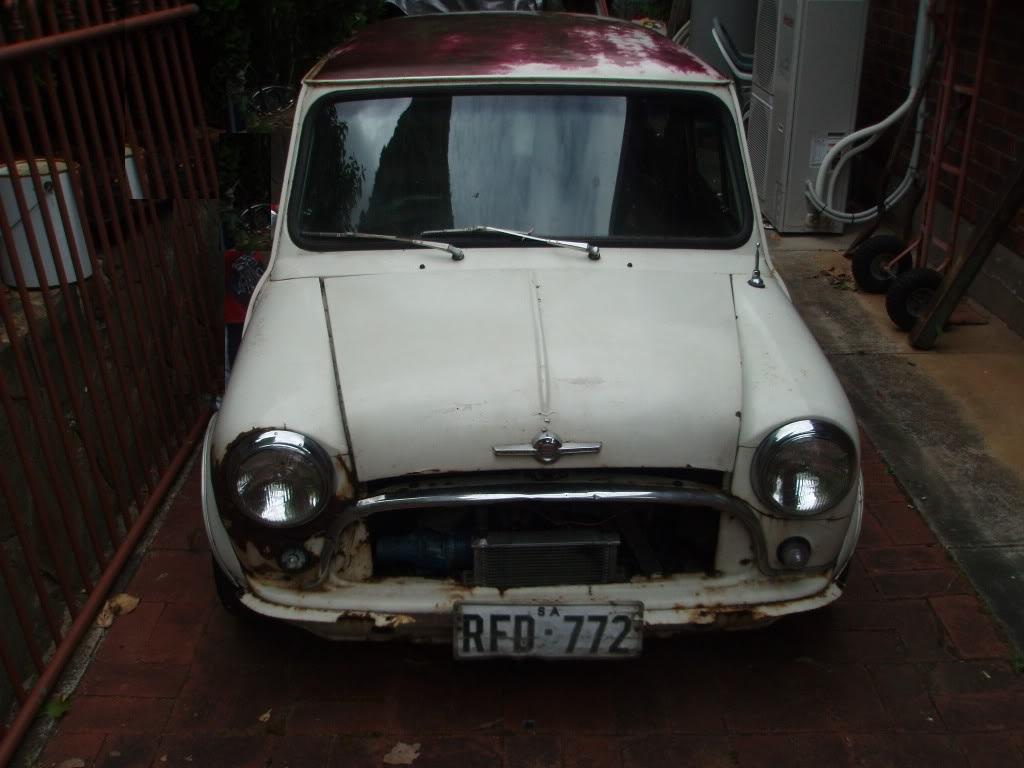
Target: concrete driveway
949	422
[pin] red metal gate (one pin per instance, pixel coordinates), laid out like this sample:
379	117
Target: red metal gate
110	342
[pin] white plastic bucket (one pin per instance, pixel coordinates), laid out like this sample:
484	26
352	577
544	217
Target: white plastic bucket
50	208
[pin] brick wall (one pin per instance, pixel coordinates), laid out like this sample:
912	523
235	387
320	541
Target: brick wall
999	132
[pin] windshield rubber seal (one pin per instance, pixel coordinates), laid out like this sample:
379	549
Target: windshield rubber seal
732	147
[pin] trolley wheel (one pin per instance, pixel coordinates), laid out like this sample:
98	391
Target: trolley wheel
870	261
910	294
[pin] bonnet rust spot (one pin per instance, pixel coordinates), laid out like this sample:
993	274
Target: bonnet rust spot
347	490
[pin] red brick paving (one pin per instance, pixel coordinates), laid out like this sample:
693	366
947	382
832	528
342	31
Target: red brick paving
907	669
973	635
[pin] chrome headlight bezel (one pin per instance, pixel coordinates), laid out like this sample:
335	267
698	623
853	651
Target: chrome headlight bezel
287	442
788	434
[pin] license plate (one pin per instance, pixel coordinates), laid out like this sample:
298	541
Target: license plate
561	631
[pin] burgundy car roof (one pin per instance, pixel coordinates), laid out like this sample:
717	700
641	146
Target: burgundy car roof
520	45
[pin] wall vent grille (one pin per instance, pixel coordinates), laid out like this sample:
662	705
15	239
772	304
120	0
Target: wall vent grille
757	141
764	44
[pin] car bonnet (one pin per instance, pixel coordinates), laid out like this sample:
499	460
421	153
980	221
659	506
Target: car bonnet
436	369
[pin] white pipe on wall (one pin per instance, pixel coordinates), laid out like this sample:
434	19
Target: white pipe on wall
821	192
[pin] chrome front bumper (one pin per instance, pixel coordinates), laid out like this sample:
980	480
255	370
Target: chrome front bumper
422	608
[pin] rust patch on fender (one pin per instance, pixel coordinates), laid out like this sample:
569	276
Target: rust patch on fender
255	559
353	558
379	620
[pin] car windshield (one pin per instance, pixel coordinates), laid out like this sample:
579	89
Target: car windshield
644	166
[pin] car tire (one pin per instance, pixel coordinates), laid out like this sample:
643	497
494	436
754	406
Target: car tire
227	592
869	263
910	295
843	576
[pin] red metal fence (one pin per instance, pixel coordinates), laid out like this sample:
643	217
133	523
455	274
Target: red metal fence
110	342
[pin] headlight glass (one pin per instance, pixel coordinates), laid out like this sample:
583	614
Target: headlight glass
804	468
279	478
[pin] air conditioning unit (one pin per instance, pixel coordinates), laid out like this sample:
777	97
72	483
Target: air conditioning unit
807	61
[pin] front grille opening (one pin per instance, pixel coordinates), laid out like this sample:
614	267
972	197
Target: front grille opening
542	544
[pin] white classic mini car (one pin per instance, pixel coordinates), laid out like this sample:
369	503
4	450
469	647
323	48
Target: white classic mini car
520	375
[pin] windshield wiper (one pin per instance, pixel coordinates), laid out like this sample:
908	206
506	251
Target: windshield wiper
456	252
592	251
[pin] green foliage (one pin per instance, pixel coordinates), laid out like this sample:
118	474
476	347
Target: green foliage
641	9
244	174
57	707
242	46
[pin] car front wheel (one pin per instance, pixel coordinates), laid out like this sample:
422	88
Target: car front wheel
227	592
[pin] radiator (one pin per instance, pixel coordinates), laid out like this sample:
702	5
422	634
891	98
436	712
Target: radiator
545	558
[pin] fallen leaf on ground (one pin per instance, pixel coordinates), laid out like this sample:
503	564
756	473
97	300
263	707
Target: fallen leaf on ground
402	754
265	716
72	762
58	706
118	605
837	279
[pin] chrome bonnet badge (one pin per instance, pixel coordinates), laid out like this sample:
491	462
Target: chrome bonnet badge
547	447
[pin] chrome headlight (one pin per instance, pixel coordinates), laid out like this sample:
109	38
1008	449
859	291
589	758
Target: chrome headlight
279	478
804	468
